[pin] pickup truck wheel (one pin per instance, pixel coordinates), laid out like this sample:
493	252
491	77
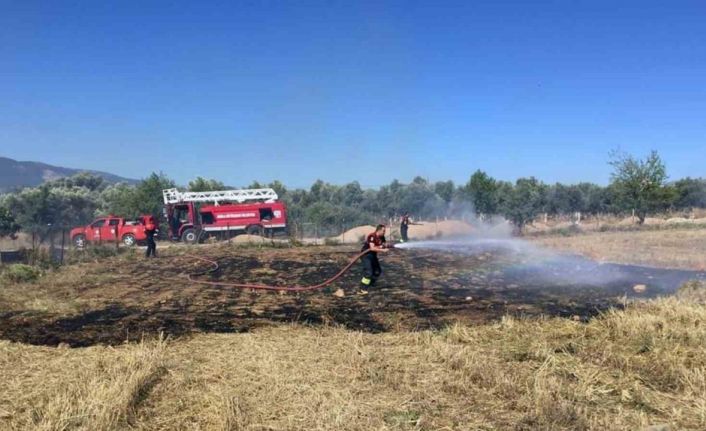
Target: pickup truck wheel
79	241
254	230
129	240
189	236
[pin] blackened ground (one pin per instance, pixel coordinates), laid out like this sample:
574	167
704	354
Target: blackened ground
419	289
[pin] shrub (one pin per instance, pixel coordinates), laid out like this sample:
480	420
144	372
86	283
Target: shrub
40	257
21	273
568	231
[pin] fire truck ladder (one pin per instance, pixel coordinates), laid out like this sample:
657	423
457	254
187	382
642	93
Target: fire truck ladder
174	196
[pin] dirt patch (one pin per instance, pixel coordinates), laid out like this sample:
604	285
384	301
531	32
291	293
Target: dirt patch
422	231
354	236
250	239
441	229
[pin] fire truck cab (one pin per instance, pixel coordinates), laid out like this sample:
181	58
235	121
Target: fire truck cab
194	216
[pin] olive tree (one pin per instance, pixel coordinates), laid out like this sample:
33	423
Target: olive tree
639	184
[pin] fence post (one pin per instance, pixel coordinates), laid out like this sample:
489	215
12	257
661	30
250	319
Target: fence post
51	244
63	244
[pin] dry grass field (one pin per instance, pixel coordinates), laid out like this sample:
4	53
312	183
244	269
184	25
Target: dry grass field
622	371
672	248
616	369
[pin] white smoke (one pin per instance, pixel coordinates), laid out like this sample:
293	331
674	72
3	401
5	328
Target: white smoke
553	268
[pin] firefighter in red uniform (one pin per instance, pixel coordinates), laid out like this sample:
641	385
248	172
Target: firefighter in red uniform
374	242
150	230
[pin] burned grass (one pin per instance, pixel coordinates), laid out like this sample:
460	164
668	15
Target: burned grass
488	362
125	297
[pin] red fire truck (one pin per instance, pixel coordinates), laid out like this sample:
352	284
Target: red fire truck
194	216
110	229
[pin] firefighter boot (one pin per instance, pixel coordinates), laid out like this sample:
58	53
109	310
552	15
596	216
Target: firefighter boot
364	284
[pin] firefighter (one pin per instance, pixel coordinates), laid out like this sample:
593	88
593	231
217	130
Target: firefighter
176	224
150	230
374	242
404	227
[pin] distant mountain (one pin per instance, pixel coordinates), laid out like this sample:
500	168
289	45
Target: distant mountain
15	174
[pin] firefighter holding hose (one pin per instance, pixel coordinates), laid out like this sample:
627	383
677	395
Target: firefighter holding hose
374	243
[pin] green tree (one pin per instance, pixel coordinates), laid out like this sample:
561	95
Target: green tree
255	185
595	198
557	199
148	193
324	216
132	201
419	199
85	180
525	201
445	190
482	190
690	193
375	203
351	194
44	209
420	181
119	199
201	184
639	184
279	188
563	199
8	225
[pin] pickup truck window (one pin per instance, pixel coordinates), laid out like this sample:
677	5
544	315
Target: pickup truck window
98	223
114	222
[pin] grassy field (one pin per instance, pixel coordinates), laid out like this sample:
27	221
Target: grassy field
624	370
621	370
665	248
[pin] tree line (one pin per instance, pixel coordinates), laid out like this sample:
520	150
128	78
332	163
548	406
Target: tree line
637	186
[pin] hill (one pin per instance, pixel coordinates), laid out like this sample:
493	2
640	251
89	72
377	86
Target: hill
15	174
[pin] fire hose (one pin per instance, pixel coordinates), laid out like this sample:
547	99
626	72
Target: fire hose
215	267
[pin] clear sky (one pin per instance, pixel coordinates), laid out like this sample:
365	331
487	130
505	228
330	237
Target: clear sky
353	90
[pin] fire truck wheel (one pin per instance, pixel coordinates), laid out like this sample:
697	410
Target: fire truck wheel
79	240
254	230
189	236
129	239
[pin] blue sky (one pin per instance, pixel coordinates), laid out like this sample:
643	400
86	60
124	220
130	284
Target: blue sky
343	91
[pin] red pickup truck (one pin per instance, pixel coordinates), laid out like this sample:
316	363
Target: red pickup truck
111	229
